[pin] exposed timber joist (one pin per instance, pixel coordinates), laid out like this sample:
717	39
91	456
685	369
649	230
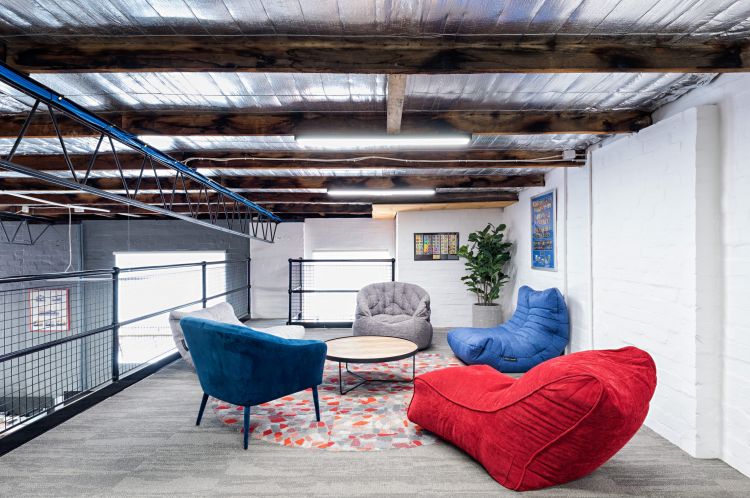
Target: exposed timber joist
271	160
266	198
543	54
296	123
395	102
311	182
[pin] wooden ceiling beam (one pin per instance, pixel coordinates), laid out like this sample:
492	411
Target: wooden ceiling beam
298	123
395	95
264	198
542	54
311	182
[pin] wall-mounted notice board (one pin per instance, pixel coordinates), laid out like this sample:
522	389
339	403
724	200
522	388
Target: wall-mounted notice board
435	246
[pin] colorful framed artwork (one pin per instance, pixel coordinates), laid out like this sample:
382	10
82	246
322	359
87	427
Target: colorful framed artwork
435	246
543	234
49	310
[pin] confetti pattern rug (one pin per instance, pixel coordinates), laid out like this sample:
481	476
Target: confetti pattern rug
371	417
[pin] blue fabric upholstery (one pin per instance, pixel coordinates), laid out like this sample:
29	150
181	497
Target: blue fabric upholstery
538	330
246	367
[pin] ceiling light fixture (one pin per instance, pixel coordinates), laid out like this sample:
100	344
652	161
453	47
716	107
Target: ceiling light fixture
357	192
348	142
52	203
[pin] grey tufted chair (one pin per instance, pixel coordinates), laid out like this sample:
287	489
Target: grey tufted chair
395	309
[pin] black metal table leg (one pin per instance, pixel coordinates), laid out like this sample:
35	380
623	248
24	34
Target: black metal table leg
365	380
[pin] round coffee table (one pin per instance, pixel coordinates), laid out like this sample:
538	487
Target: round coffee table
370	349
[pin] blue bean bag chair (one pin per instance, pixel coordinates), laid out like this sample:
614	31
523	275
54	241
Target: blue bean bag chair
538	331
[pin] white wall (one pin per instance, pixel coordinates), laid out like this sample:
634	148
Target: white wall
648	249
270	270
270	267
349	234
573	276
645	259
731	94
450	300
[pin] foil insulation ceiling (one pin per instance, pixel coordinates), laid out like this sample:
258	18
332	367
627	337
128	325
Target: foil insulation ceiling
291	92
672	20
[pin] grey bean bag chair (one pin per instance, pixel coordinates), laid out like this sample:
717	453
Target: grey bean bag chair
394	309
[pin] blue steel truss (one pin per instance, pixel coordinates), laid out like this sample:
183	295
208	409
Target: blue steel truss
239	215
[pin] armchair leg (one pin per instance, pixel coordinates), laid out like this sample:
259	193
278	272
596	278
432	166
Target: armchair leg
203	407
317	405
246	427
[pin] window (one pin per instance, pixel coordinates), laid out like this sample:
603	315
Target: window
342	276
145	292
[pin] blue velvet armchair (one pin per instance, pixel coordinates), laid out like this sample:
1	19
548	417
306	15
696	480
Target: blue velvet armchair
246	367
537	331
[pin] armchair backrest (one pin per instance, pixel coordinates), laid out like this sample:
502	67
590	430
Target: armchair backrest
393	298
541	312
245	367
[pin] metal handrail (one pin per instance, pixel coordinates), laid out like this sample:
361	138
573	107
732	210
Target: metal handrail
115	324
299	291
108	271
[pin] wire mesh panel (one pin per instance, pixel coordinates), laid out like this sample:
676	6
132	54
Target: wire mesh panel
228	282
323	292
65	335
56	341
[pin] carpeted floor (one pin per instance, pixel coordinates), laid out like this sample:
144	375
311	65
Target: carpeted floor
143	442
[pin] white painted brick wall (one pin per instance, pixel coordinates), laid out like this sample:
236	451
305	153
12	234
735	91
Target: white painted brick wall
451	301
355	234
518	219
647	288
731	93
270	273
573	275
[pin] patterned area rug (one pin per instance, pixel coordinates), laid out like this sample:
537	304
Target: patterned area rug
371	417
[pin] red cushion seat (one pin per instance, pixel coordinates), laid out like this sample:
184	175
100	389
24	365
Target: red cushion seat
559	422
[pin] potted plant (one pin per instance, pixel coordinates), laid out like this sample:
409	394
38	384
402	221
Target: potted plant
486	258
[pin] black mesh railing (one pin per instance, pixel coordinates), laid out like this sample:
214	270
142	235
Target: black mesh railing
66	334
322	292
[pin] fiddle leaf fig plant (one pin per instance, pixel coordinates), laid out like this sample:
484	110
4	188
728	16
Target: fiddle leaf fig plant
486	257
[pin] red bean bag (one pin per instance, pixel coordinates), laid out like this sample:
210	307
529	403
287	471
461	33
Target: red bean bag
559	422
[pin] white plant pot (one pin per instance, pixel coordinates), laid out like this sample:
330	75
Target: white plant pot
483	316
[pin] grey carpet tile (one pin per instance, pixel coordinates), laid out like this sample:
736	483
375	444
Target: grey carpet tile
144	442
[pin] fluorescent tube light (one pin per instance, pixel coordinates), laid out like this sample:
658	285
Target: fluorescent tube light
51	203
348	142
380	192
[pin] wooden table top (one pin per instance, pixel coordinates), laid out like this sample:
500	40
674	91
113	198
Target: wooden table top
369	349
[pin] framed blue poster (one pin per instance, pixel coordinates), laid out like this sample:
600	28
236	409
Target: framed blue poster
543	211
